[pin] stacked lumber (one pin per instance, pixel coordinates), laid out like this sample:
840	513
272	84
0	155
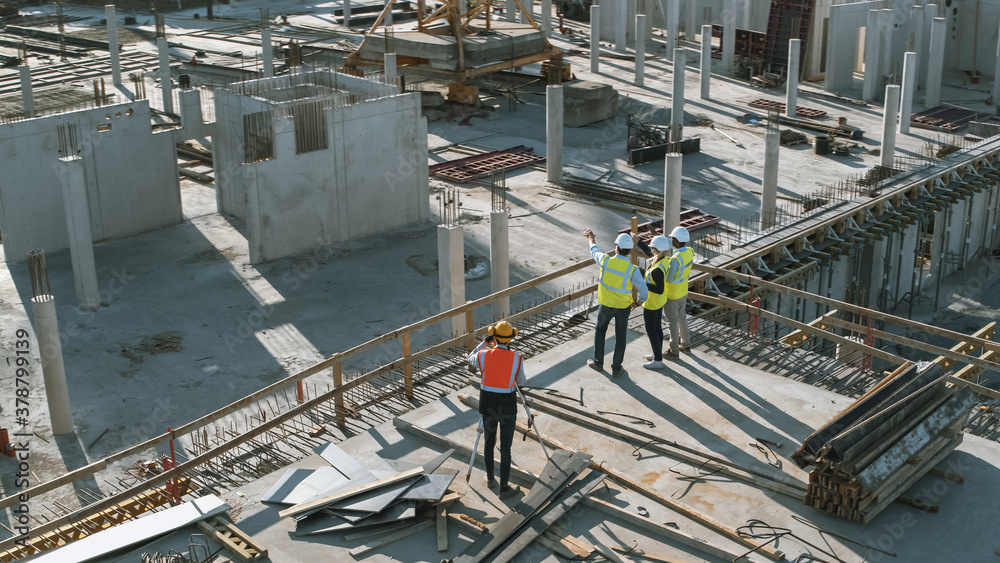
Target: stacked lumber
352	495
870	454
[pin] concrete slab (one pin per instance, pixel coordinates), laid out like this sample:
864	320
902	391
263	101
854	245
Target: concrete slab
509	41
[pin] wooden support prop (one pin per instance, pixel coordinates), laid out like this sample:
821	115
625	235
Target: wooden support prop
441	516
965	347
236	542
338	381
332	498
798	337
391	538
968	373
407	366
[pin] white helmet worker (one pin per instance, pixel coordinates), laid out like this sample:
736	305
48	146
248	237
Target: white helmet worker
624	241
681	234
661	243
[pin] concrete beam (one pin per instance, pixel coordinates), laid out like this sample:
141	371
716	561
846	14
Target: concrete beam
27	95
112	23
792	92
935	62
706	61
910	69
889	125
554	132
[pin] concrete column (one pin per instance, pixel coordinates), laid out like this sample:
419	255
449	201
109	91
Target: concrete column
909	85
166	85
729	35
112	19
917	25
930	12
595	38
677	95
889	115
673	12
511	11
996	76
347	13
935	62
390	68
43	309
792	94
621	24
872	43
529	8
547	18
388	14
81	239
451	277
706	61
672	191
190	110
266	52
769	186
499	262
640	50
554	132
27	96
692	20
886	27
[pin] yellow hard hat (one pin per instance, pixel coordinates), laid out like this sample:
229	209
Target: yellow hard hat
502	331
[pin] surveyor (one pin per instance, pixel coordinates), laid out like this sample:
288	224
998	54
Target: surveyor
652	307
614	298
678	271
500	369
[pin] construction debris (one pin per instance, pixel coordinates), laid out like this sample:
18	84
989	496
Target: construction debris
871	453
799	110
480	165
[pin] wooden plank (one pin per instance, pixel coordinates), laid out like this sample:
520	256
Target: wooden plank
673	534
239	544
562	467
608	553
798	337
872	511
391	538
549	515
557	547
964	347
968	373
567	542
662	445
330	499
576	544
441	517
642	554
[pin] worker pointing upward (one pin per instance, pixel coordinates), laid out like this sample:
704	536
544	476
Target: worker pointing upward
500	369
614	298
678	271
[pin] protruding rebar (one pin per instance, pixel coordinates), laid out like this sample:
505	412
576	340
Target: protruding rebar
39	273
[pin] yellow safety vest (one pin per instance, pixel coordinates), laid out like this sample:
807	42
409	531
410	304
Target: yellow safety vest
656	300
677	288
615	289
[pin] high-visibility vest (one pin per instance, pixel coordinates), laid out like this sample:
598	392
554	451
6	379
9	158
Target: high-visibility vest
615	289
656	300
498	368
678	287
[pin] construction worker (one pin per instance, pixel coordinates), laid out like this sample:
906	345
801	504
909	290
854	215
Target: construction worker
678	271
500	369
652	307
614	298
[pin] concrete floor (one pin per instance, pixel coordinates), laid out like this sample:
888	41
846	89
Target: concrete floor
189	326
703	401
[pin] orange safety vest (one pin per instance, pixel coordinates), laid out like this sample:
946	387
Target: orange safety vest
498	367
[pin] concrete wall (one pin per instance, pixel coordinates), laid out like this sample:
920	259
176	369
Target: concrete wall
131	172
972	35
842	43
371	178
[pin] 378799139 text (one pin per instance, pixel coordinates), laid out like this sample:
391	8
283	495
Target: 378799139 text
22	413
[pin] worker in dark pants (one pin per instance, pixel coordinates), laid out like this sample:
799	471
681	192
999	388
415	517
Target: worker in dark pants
500	369
652	308
614	298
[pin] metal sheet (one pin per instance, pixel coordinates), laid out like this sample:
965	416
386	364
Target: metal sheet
324	523
134	532
376	500
341	460
324	481
285	485
431	487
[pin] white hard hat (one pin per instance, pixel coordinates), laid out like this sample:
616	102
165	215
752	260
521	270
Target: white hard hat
681	234
661	242
624	241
